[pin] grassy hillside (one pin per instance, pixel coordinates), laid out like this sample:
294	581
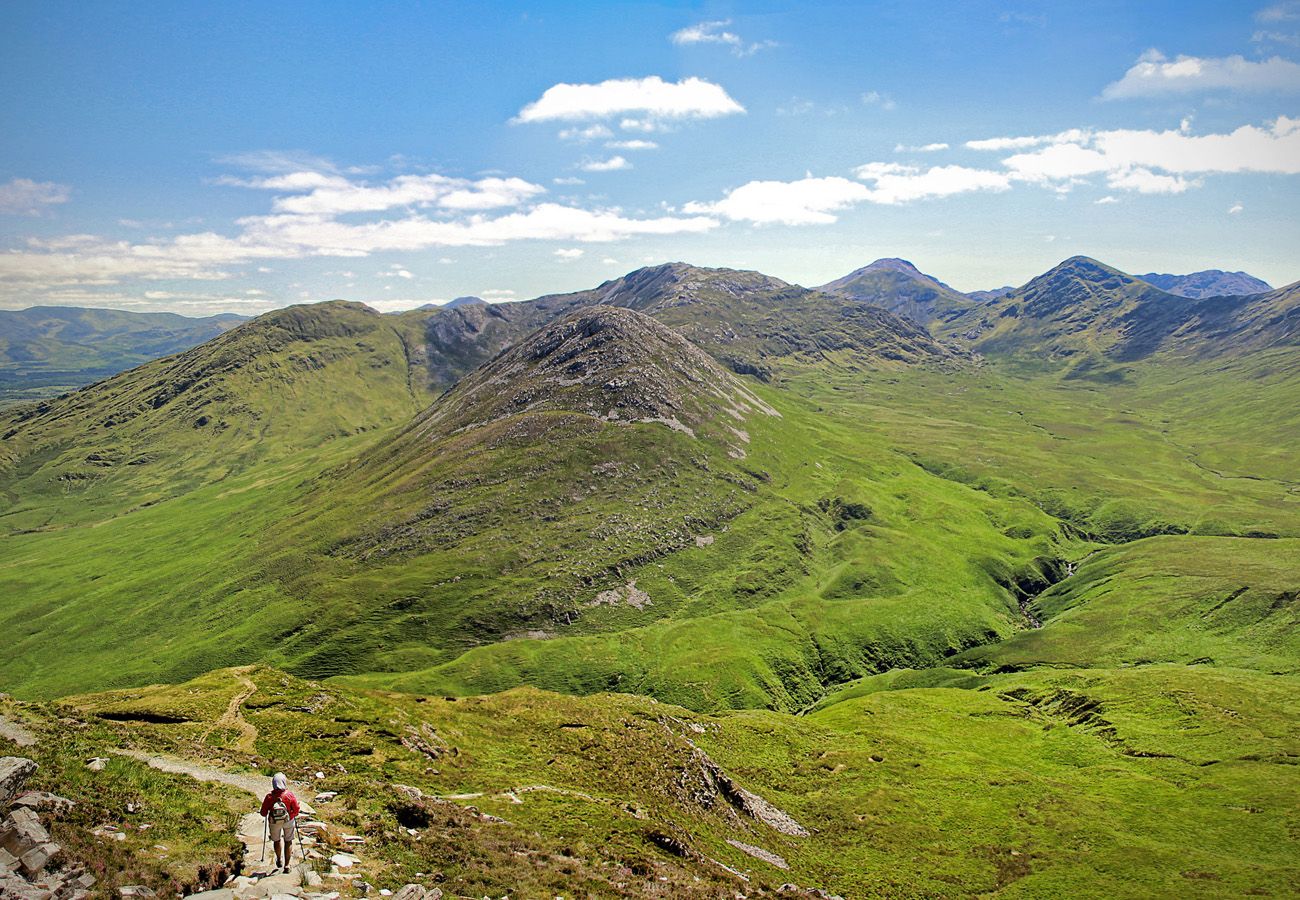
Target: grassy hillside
286	382
1166	781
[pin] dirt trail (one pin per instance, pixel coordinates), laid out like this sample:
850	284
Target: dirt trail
233	718
260	879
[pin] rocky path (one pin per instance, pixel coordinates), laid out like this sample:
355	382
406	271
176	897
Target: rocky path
260	879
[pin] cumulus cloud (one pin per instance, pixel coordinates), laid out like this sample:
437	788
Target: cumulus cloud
639	99
1274	149
715	33
894	184
307	220
1155	74
569	254
613	164
316	193
24	197
808	201
814	201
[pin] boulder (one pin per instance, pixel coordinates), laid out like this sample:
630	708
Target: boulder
219	894
44	800
34	860
325	796
14	887
135	892
416	892
96	764
22	831
14	772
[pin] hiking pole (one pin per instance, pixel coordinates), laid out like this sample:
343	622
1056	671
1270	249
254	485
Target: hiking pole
266	825
301	849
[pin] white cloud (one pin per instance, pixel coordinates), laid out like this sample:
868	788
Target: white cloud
1291	39
877	99
90	260
632	145
496	293
640	99
569	254
814	201
568	181
1286	11
715	33
254	292
1144	181
1021	143
24	197
1250	148
1105	200
1235	208
609	261
809	201
1154	74
584	133
396	271
314	193
613	164
893	184
923	148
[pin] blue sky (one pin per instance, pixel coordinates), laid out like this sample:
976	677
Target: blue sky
236	157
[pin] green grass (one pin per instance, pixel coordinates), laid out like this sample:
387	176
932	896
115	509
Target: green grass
1162	780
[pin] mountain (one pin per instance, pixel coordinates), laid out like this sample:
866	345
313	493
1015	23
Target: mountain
1210	283
1090	316
755	323
900	287
48	349
994	294
463	301
283	382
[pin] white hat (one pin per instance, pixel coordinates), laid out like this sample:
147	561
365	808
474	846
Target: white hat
279	782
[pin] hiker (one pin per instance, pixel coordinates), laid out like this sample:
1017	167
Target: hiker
280	809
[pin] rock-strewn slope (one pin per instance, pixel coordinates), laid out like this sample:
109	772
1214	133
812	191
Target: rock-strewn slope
615	364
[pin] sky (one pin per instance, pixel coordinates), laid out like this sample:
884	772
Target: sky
237	157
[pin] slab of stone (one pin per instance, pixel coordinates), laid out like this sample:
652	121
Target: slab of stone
14	772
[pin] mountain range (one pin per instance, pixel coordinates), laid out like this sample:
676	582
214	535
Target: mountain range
45	349
693	582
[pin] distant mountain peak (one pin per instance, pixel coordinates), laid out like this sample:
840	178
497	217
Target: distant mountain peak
900	287
463	301
1208	283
